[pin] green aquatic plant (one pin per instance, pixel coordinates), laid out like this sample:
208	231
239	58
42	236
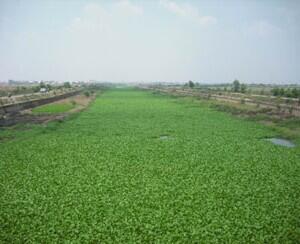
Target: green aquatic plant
104	176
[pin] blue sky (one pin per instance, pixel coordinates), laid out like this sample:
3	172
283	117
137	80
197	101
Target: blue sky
160	40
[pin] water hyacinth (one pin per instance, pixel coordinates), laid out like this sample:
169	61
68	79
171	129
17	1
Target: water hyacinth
105	176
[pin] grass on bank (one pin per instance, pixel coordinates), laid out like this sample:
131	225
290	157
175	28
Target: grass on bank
53	108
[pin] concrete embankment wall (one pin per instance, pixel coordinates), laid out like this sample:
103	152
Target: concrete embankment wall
17	107
293	109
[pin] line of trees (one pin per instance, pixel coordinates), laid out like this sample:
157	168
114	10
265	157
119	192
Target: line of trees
237	86
49	87
281	92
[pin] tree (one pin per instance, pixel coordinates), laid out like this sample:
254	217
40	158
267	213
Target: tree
42	84
49	87
243	88
67	84
191	84
36	89
236	86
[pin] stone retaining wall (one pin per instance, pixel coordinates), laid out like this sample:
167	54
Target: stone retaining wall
17	107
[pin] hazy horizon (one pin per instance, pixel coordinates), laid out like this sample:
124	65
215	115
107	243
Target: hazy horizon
147	41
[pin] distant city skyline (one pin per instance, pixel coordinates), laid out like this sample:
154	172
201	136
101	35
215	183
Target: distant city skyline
148	41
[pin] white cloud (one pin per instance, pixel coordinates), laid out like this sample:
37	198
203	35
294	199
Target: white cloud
129	8
104	37
121	8
175	8
207	20
262	29
100	17
188	11
94	18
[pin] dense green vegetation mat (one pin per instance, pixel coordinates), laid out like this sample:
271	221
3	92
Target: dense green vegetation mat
138	167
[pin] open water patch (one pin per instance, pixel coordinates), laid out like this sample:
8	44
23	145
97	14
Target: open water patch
281	142
165	137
